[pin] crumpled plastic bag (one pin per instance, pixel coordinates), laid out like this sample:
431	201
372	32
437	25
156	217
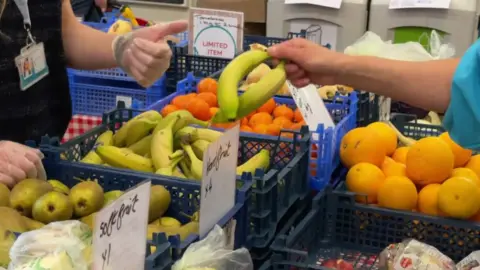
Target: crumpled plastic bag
212	253
65	245
370	44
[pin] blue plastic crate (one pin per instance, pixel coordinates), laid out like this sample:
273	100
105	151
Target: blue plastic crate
274	191
93	94
325	143
338	227
268	41
185	201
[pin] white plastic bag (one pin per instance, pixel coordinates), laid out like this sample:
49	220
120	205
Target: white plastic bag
211	253
65	245
370	44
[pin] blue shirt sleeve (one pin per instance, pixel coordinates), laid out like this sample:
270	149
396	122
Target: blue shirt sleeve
462	119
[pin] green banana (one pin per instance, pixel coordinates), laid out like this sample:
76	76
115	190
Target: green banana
231	76
261	160
185	118
257	94
106	138
186	171
196	165
169	170
191	134
120	136
139	129
199	147
142	147
119	158
161	147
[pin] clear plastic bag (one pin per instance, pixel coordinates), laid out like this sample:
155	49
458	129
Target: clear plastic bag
212	253
65	245
370	44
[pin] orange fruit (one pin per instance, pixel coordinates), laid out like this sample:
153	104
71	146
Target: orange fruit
387	135
298	126
168	109
208	97
268	107
394	169
244	122
365	179
199	109
283	122
260	129
273	130
207	85
181	102
213	111
459	197
361	145
260	118
283	110
400	154
191	95
297	116
428	200
460	154
429	161
467	173
246	128
398	192
474	164
475	218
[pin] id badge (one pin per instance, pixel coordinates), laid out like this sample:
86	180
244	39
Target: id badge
31	65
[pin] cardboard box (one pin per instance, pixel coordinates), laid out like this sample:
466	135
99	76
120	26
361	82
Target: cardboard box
254	10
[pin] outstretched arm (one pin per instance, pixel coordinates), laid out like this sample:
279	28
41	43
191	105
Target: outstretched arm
85	47
421	84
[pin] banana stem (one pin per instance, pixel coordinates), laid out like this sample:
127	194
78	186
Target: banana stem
176	154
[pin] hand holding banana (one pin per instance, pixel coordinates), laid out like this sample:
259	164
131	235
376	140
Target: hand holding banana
234	107
145	54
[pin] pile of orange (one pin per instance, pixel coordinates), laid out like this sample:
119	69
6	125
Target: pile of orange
269	119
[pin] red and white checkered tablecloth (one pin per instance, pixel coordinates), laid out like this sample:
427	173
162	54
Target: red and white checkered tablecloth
79	125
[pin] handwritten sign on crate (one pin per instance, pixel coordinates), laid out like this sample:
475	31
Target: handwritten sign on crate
119	240
218	180
215	33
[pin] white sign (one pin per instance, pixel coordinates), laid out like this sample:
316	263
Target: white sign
320	32
218	180
311	106
119	241
215	33
125	99
324	3
400	4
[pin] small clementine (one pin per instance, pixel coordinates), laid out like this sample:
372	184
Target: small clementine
297	116
168	109
283	122
207	85
181	102
210	98
283	110
260	118
268	107
199	109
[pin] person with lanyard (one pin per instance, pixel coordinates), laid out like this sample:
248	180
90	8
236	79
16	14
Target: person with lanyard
38	40
451	86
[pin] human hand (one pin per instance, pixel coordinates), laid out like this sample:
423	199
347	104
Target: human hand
144	53
308	62
18	162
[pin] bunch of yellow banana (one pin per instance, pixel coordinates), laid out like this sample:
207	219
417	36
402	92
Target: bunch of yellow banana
120	27
234	107
169	146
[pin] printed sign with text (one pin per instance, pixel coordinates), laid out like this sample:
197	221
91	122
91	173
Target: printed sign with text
400	4
218	180
119	240
324	3
215	33
311	106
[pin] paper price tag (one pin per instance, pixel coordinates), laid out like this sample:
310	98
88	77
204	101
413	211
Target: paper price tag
324	3
119	240
311	106
216	33
401	4
218	180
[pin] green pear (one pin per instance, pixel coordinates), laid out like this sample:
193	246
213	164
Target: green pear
160	199
7	238
111	196
32	224
25	193
4	195
52	206
87	198
59	186
89	220
12	220
167	222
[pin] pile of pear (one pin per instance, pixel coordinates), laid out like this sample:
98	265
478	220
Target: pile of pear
33	203
171	146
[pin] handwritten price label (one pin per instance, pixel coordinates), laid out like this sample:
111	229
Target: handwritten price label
218	180
311	106
120	228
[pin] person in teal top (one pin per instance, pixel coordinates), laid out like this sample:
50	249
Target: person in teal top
451	85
